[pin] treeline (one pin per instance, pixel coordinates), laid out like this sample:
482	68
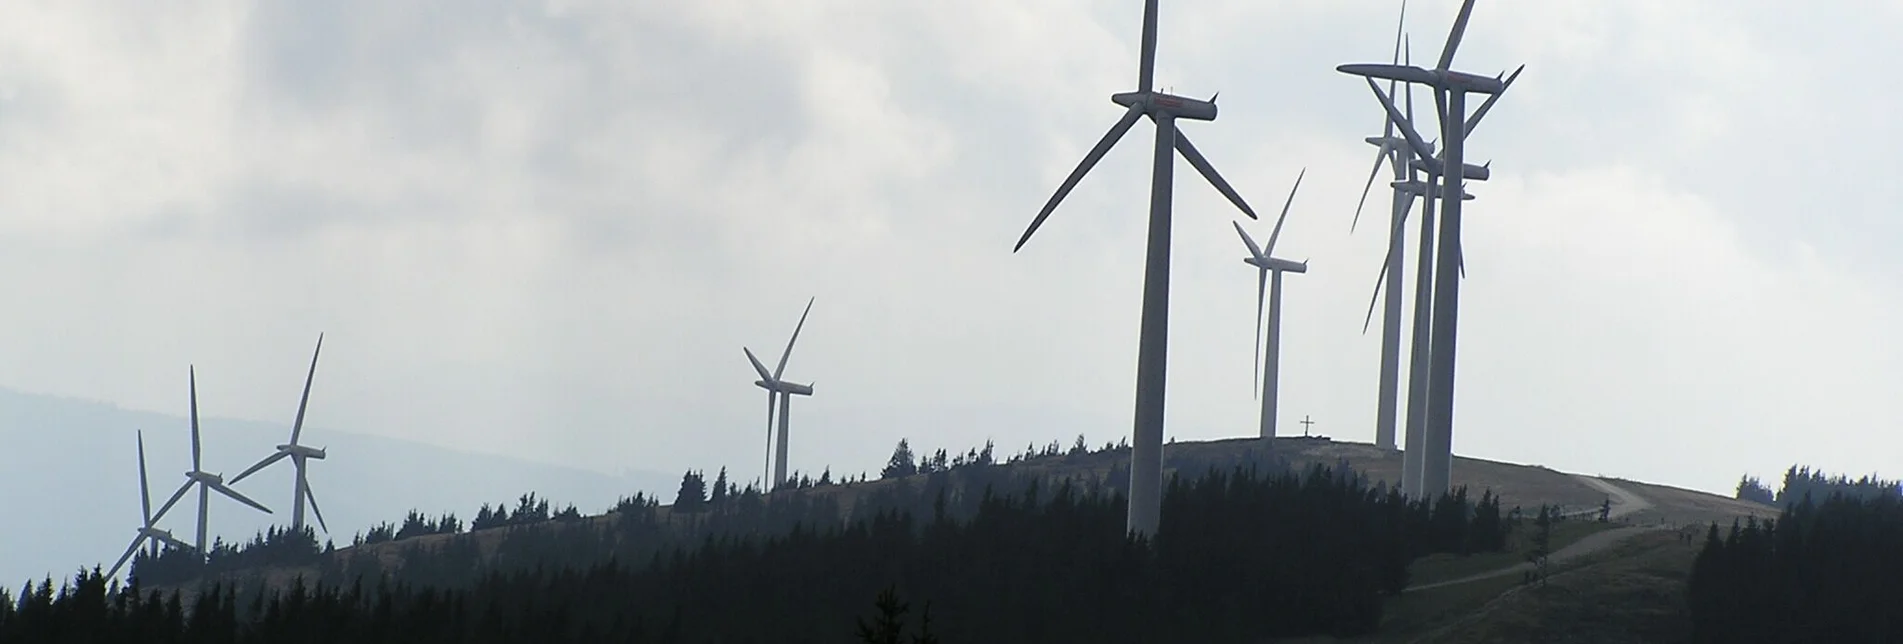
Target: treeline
1821	572
1800	482
647	528
1240	555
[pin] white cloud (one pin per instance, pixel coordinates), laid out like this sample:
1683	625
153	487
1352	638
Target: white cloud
545	229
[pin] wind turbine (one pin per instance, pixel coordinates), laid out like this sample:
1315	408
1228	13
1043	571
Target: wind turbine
1389	152
147	533
205	481
1450	95
299	455
784	391
1422	161
1146	453
1269	270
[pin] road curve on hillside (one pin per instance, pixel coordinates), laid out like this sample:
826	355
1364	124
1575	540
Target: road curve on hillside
1624	503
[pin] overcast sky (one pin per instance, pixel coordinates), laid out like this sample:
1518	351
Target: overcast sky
547	229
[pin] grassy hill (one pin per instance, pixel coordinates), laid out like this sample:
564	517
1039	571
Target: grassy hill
1517	485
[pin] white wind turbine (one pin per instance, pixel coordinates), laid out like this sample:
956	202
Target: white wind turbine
1146	444
147	533
1387	397
299	455
1269	270
783	391
1450	95
205	481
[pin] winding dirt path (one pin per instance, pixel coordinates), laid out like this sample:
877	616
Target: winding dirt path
1624	503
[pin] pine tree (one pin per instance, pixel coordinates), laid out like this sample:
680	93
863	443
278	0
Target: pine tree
902	463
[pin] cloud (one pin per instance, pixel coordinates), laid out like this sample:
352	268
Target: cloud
546	229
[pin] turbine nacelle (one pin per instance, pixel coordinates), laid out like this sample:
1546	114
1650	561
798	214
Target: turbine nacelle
302	451
1433	166
1393	143
1422	188
1449	80
1277	264
792	388
206	478
164	536
1158	104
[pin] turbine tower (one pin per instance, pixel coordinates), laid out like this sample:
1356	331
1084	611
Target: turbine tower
205	481
1269	270
147	533
1146	453
299	455
777	388
1422	161
1386	397
1450	95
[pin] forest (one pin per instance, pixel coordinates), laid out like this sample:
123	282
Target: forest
1244	551
1823	571
1802	481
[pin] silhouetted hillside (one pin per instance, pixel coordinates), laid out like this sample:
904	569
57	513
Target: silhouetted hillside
76	460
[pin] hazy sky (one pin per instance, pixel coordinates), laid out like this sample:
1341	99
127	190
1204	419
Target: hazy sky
548	229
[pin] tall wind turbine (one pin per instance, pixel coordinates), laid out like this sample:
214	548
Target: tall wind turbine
1269	270
299	455
1146	453
1422	161
147	533
1391	152
1414	158
1450	95
784	391
205	481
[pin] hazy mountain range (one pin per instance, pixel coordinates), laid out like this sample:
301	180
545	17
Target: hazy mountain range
69	481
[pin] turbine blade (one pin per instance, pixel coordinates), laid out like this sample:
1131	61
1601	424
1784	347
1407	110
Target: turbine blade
312	498
1402	121
1381	155
167	506
1201	164
796	336
1487	105
1277	232
297	427
195	451
1400	26
772	397
1407	58
1440	111
1395	237
140	540
1454	35
1254	250
1090	160
227	491
145	492
260	465
1375	297
1146	65
1261	290
764	375
1460	259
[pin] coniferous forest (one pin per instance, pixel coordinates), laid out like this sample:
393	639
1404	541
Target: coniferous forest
1821	572
1241	554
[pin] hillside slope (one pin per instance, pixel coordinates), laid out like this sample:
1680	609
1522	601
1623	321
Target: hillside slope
1521	485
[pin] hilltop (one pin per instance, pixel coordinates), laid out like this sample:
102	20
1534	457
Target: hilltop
1524	486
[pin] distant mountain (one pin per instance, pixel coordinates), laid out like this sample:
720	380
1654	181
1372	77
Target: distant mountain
69	481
